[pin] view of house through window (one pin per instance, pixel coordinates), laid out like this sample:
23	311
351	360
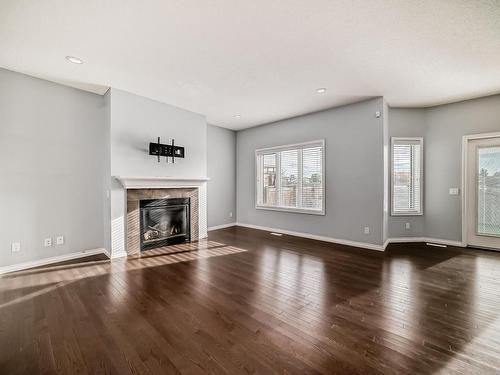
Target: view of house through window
291	177
270	194
407	157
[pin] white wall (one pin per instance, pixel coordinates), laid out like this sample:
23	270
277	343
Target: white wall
221	164
51	166
354	172
135	122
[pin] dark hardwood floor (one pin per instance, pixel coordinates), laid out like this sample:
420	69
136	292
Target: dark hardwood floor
246	302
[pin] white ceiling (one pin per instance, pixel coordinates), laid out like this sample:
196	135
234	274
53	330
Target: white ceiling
263	59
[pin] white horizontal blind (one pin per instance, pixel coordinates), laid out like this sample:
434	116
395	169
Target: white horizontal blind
270	195
291	177
312	177
407	176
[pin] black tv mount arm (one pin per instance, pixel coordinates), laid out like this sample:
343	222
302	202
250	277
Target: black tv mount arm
168	151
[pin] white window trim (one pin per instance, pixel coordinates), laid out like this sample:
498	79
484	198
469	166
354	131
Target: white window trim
294	146
465	181
412	139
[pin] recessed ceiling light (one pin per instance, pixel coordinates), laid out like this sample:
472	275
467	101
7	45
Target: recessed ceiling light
321	90
237	116
74	60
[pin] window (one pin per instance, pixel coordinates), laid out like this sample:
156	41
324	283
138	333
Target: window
291	178
407	167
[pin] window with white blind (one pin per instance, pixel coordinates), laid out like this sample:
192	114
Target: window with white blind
407	172
291	178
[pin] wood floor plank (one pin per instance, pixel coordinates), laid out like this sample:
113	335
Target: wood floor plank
246	302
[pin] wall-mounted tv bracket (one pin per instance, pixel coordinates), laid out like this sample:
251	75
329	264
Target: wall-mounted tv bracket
168	151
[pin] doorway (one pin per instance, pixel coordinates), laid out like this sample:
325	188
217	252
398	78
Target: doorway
481	217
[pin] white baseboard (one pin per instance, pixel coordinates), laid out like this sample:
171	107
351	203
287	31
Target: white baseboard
222	226
445	242
386	243
438	241
363	245
46	261
115	255
405	239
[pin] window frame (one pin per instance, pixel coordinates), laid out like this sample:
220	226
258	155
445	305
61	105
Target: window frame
276	150
420	140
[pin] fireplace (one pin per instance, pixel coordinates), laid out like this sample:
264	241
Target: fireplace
164	221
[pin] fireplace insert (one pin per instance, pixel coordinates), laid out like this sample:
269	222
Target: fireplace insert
164	222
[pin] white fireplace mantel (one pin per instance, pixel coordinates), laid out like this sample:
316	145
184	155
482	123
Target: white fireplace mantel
119	201
152	182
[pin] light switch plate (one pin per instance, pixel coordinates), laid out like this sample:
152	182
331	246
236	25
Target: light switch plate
15	247
454	191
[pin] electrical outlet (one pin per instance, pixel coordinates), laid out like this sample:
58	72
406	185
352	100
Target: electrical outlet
60	240
47	242
15	247
230	214
454	191
407	226
367	230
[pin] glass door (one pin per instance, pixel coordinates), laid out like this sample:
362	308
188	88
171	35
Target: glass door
483	193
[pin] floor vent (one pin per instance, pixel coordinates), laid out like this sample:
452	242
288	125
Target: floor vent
435	244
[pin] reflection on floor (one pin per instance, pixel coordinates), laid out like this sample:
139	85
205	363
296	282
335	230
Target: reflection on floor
248	302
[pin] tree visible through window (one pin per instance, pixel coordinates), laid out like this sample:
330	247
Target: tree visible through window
407	176
291	177
488	191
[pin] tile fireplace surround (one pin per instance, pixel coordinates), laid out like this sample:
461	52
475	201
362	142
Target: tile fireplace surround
138	188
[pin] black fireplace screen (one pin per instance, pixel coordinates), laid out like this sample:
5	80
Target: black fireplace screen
164	222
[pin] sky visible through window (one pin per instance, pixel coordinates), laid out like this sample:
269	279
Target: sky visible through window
292	178
489	160
488	191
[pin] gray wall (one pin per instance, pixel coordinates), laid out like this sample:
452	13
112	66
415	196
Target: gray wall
354	172
408	122
446	125
386	179
442	128
58	182
51	152
107	171
221	167
135	121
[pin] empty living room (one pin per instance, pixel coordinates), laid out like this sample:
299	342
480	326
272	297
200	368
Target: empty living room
249	187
